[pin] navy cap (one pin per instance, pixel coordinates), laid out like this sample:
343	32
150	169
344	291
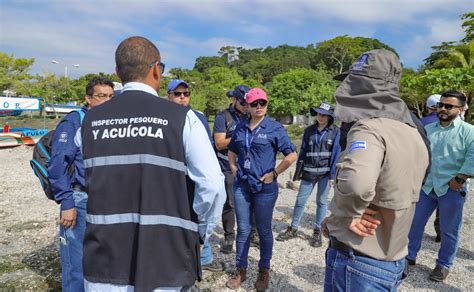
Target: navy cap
239	92
175	83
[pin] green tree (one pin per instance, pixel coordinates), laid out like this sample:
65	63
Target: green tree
13	71
415	88
263	64
295	91
450	55
218	80
339	53
203	63
439	58
468	26
463	55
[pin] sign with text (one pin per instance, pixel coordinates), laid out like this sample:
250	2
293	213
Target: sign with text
19	103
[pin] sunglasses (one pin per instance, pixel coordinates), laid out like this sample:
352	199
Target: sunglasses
162	65
447	105
183	93
242	102
261	103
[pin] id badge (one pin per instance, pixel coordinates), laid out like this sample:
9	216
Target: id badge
247	163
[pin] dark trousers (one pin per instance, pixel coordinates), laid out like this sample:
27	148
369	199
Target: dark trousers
228	213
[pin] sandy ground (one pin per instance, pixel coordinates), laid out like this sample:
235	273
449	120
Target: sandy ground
29	259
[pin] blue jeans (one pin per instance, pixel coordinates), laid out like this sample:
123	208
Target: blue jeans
206	253
306	187
450	208
262	203
348	272
71	247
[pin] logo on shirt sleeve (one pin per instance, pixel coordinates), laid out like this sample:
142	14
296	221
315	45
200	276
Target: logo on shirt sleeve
357	145
63	137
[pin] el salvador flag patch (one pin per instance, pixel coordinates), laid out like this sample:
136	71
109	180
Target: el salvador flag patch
357	145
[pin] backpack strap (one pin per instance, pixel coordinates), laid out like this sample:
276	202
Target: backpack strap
229	120
82	114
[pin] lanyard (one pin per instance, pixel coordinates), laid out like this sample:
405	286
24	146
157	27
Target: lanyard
320	137
248	141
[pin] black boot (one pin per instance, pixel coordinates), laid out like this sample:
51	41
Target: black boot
289	233
316	240
227	246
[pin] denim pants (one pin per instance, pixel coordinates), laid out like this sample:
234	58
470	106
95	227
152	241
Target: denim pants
71	247
348	272
306	187
262	203
450	208
206	253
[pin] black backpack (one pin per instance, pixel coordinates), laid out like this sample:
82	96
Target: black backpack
41	157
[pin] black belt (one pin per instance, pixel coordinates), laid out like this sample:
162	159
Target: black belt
340	246
78	187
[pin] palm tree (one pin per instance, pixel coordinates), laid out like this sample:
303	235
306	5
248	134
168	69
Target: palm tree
463	55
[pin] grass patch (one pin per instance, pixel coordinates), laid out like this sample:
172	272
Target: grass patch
29	225
10	264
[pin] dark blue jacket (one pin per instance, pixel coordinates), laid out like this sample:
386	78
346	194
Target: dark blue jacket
64	153
320	151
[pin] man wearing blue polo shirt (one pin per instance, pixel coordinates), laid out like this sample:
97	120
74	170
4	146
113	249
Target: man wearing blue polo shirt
452	146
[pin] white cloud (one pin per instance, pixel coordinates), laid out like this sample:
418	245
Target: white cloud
440	30
445	30
87	32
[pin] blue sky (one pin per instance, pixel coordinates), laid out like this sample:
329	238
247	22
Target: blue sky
87	32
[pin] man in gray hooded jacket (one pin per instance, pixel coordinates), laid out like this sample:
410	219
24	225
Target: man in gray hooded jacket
379	176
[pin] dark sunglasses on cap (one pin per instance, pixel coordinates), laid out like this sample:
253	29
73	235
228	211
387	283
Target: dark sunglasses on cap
260	102
179	93
446	105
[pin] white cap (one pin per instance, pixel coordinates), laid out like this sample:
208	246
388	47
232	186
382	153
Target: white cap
432	101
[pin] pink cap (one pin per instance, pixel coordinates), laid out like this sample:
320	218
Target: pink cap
255	94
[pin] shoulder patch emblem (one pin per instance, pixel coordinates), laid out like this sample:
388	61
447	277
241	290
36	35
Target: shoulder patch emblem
63	137
357	145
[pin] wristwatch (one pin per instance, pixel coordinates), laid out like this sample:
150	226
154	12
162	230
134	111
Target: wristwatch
459	180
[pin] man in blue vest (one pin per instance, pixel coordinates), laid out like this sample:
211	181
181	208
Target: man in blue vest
153	182
69	190
319	153
178	92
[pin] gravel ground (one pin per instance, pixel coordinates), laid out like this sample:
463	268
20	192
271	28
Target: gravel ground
29	258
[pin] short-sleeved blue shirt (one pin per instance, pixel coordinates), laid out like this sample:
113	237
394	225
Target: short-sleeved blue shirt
265	141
